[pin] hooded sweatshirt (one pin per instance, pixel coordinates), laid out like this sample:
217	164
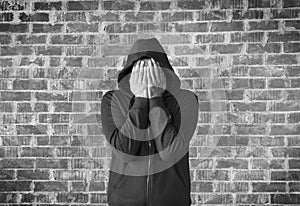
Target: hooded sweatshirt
149	137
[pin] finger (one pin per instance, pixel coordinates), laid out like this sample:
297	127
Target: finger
153	63
135	71
152	75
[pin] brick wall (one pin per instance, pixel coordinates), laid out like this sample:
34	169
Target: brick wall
57	58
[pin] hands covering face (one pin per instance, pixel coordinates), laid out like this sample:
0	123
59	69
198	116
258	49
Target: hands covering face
147	79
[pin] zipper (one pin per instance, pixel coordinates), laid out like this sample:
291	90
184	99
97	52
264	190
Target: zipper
148	177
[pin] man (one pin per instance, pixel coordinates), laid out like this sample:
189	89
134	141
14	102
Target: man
149	122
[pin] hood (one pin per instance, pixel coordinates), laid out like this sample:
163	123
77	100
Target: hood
148	48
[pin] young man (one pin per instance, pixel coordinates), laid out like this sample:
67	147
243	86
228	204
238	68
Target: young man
149	121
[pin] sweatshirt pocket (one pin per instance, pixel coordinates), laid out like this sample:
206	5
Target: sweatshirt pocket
126	189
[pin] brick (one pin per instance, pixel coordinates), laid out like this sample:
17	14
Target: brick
50	186
189	50
252	199
290	3
215	199
226	4
33	175
67	39
74	175
30	39
6	107
82	5
151	27
210	38
98	197
191	27
293	118
47	6
115	50
16	28
37	152
86	96
226	48
52	163
78	16
111	16
293	141
293	94
191	5
15	6
26	61
259	4
15	140
285	199
16	50
284	13
43	198
231	187
72	197
29	84
28	198
284	130
201	187
267	141
7	174
15	96
250	129
260	48
31	129
177	16
81	27
15	186
285	175
5	39
265	164
248	60
79	187
144	16
285	152
292	24
16	163
40	107
294	163
157	5
232	163
8	198
294	186
278	83
47	28
211	15
282	59
36	17
6	17
118	5
285	37
272	187
291	47
72	152
249	14
212	175
267	71
97	186
118	28
49	50
247	37
263	25
224	26
43	96
42	140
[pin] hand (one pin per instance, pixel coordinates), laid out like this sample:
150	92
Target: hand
157	80
139	80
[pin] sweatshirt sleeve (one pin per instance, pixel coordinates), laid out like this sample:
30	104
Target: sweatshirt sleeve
125	133
173	133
